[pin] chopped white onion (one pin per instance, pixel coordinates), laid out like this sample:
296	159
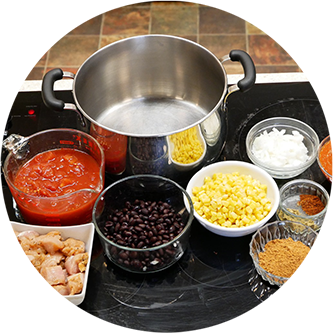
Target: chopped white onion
277	149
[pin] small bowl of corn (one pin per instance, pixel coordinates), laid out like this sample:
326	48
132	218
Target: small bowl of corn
233	198
187	148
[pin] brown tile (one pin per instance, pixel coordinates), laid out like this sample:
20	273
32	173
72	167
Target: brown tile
72	50
315	49
31	21
277	69
174	20
21	73
215	21
265	51
266	19
317	68
129	20
173	3
65	69
24	51
78	21
221	45
4	10
311	19
106	40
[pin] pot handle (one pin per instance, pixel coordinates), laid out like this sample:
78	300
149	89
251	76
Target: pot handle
49	97
249	69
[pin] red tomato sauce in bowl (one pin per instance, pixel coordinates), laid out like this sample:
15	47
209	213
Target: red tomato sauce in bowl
58	187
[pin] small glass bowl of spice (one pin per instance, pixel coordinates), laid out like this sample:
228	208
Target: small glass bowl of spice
279	248
324	157
303	201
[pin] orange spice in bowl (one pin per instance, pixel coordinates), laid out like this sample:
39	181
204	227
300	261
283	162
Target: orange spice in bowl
325	157
282	257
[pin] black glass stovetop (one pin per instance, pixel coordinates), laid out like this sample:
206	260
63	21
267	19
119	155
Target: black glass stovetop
215	280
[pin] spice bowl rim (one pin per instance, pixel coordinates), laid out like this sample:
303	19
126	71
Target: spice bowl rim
231	165
272	278
313	183
323	170
269	123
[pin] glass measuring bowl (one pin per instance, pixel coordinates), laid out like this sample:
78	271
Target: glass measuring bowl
68	209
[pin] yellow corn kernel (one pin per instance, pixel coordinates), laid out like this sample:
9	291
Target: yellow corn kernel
231	200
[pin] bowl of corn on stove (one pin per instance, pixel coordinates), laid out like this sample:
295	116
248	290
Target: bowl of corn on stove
233	198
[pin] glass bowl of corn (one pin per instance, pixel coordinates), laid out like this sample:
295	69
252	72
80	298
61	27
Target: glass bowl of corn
233	198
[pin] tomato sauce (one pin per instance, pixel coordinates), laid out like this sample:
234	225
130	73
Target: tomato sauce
325	157
114	146
51	182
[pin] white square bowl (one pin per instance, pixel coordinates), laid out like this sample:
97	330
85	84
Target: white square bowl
84	232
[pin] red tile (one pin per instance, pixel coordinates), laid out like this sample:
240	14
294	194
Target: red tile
24	51
127	21
215	21
72	50
221	45
174	20
265	51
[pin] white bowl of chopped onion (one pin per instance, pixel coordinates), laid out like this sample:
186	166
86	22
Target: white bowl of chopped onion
233	198
284	147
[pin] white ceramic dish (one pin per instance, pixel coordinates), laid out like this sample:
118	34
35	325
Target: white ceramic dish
84	232
243	168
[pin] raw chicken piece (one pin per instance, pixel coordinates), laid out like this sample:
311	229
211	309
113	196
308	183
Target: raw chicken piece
52	259
28	234
14	263
24	276
73	246
30	290
77	263
54	275
59	290
51	242
75	283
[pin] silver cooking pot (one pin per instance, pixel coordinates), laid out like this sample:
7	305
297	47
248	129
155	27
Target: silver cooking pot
156	103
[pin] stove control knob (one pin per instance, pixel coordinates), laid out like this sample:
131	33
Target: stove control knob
5	116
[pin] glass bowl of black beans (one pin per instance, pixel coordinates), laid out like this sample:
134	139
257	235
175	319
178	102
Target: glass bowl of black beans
143	222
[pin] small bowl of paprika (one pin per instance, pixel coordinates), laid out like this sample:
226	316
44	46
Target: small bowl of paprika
324	157
303	201
279	248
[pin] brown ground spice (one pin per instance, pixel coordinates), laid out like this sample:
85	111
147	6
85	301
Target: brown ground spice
311	204
282	257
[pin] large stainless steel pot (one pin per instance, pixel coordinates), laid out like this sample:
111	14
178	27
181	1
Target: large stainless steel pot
147	90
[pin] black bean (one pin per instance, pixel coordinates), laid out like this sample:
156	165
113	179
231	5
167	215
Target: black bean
143	224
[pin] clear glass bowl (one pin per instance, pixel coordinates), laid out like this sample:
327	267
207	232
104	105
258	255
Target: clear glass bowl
310	140
147	188
278	230
289	208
